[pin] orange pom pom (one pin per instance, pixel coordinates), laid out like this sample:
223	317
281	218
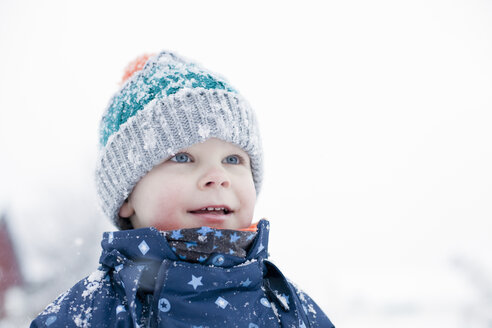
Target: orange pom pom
135	66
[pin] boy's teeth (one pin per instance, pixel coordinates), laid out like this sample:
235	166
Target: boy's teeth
213	209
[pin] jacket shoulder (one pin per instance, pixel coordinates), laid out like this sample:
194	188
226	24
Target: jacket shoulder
78	306
317	318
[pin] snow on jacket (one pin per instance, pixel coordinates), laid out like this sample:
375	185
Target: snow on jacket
143	282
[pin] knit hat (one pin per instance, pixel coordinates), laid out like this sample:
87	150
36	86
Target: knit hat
168	105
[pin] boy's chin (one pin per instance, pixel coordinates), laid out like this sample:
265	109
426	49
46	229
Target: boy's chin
213	220
197	221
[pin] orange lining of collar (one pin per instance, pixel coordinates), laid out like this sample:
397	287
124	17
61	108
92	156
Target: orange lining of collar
253	227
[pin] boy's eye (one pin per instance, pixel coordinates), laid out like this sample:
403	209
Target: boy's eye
232	159
181	158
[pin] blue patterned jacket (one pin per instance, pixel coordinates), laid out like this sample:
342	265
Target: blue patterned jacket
143	283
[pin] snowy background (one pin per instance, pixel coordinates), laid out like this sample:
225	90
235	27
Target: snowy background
376	120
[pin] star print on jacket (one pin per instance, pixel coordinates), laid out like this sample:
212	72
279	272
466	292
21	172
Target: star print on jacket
143	282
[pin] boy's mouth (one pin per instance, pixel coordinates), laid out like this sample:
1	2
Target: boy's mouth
217	210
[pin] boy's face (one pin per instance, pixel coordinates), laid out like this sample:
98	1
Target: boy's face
178	193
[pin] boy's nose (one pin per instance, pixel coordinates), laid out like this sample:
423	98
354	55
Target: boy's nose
214	178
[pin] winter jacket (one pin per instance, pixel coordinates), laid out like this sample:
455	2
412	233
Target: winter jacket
143	282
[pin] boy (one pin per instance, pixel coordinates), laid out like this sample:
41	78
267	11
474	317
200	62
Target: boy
179	170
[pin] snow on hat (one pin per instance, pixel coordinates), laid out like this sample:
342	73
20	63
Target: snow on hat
167	105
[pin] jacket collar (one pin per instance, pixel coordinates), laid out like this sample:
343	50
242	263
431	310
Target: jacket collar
140	258
147	245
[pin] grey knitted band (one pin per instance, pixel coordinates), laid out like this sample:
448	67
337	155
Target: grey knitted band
165	126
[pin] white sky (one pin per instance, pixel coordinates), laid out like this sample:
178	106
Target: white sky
376	120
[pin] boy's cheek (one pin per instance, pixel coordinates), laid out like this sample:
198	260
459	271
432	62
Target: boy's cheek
168	212
248	191
248	207
168	224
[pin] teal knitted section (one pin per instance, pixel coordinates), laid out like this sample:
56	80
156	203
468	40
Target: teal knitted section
162	75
